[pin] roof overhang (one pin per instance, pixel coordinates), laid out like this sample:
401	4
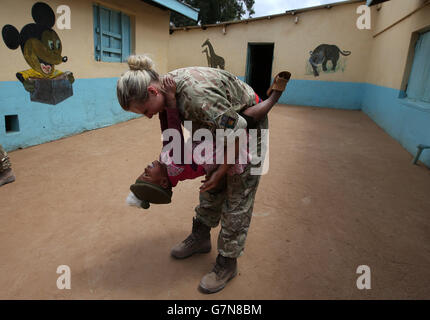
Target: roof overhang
179	7
373	2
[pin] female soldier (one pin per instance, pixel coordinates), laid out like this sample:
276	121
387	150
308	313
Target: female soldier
211	99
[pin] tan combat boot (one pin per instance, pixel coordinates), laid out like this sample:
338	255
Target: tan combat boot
6	176
199	241
224	270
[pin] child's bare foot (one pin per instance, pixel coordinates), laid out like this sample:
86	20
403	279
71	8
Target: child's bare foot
169	86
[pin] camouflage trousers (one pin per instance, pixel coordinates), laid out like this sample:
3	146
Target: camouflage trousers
4	160
232	202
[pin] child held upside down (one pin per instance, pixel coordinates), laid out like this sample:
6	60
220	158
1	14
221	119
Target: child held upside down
155	184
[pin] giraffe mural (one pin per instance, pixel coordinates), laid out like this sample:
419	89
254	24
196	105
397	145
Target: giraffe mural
214	60
207	56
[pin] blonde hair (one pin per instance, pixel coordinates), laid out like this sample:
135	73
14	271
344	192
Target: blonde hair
133	84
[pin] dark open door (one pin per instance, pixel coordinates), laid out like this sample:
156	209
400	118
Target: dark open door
259	67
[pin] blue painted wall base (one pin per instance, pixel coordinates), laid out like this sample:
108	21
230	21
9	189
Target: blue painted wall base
327	94
93	105
406	121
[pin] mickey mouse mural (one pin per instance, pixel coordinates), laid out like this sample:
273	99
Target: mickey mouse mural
41	48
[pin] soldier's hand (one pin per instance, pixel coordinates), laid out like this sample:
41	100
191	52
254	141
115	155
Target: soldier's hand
169	86
212	181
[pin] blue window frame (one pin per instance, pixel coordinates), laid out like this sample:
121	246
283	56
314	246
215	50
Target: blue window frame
112	40
419	79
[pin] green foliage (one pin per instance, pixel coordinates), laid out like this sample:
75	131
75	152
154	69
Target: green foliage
214	11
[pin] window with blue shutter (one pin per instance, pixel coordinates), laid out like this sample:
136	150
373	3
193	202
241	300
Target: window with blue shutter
112	41
419	80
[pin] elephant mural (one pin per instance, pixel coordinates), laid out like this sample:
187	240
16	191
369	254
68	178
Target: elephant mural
324	53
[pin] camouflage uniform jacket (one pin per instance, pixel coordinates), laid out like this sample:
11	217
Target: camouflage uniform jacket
212	98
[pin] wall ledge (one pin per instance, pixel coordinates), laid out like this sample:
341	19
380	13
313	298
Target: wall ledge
419	105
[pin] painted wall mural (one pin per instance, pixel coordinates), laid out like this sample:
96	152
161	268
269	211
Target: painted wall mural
41	48
214	60
323	54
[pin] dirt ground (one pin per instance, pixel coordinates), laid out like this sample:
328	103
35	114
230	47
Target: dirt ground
340	193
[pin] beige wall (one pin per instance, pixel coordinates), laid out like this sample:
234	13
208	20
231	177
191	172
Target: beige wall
382	60
151	27
388	65
292	42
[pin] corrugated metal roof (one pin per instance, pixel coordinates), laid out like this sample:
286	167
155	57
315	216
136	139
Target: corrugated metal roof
176	6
